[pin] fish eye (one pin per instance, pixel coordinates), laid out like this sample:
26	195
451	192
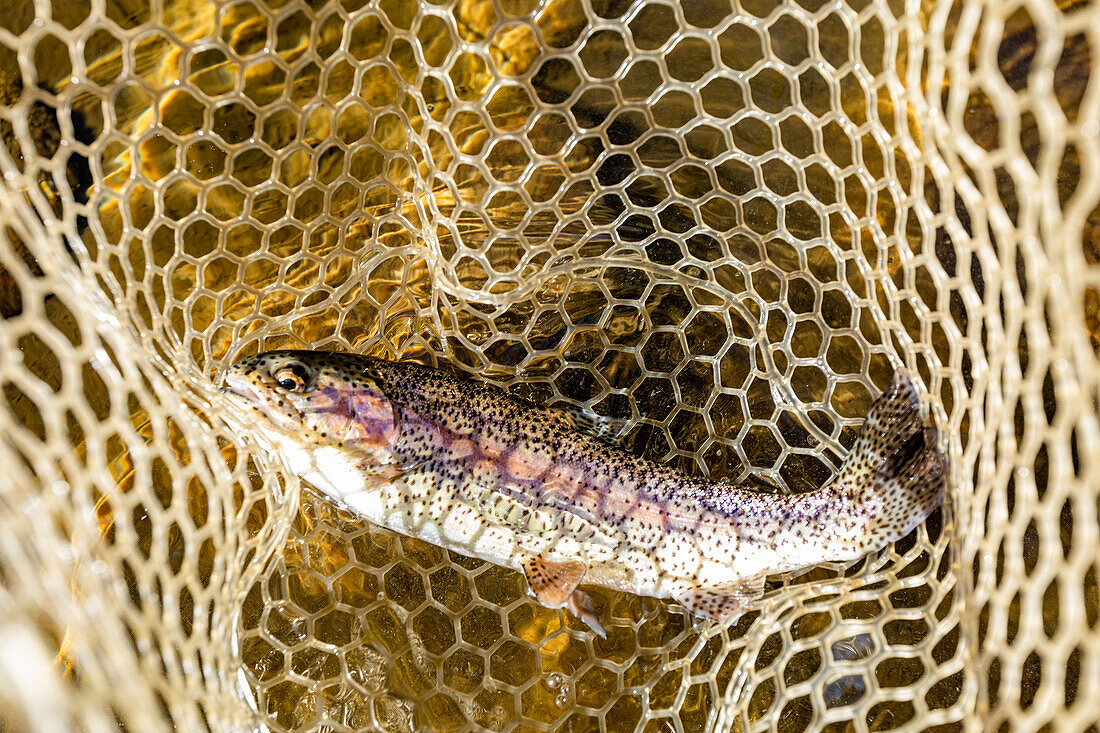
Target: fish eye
293	377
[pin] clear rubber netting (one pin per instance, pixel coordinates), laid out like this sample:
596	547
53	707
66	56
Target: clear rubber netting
718	228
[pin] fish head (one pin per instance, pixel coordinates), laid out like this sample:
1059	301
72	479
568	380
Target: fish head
317	399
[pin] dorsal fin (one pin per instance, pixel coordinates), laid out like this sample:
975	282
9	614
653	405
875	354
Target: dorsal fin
576	418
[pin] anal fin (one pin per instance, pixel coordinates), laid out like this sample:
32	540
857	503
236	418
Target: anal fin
554	585
722	602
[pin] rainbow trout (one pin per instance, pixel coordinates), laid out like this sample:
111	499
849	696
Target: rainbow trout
469	467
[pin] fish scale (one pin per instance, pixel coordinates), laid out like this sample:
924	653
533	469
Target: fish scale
467	466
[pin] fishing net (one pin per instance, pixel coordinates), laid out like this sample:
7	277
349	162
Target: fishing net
717	229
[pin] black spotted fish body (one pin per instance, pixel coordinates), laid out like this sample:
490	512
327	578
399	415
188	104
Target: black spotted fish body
466	466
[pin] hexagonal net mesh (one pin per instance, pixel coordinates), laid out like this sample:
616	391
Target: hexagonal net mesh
718	227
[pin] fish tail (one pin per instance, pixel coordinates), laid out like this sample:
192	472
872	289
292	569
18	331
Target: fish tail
895	474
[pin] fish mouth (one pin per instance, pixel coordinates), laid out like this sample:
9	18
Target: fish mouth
232	392
238	386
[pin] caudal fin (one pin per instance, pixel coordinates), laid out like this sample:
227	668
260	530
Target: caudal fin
896	471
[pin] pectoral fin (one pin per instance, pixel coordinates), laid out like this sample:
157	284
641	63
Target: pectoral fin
386	472
554	585
722	602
